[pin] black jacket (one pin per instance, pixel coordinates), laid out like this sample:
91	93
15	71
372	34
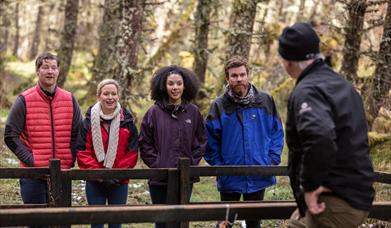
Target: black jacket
327	136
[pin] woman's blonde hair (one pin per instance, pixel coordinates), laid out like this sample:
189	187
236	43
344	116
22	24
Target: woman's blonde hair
106	82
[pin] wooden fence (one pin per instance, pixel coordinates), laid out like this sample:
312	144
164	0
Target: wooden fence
178	209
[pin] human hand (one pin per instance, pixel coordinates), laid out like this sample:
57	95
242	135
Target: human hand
295	215
110	183
312	200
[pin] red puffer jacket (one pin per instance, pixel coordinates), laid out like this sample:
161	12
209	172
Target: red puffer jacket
48	126
126	156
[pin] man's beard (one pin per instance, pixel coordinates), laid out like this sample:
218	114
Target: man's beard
240	90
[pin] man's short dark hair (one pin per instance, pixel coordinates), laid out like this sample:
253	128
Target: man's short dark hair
45	56
235	61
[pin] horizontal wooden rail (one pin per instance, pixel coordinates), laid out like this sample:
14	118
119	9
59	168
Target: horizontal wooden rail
118	173
8	173
238	171
383	177
159	213
15	206
77	174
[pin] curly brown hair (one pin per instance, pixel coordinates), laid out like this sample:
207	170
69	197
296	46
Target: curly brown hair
158	83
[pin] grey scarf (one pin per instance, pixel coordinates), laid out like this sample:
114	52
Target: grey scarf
249	98
96	115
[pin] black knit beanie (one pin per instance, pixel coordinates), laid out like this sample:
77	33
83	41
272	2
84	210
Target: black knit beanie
298	42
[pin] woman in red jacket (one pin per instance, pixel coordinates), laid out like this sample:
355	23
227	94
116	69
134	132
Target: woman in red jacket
108	139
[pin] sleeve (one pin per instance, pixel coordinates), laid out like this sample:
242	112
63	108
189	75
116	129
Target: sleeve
277	137
213	129
13	129
86	158
76	121
316	129
131	155
146	141
200	140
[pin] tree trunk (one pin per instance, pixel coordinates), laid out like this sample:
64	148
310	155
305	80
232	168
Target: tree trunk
201	38
382	81
16	38
301	14
49	26
118	44
174	36
37	33
108	33
127	46
241	24
353	34
5	23
68	39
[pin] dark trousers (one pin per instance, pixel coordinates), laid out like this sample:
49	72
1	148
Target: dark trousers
234	196
34	191
97	194
159	196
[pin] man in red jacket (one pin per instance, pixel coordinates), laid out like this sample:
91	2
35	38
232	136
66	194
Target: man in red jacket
43	124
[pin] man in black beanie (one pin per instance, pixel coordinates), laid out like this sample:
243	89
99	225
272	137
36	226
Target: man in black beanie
329	166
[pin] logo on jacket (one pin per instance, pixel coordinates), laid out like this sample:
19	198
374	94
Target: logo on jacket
304	108
188	121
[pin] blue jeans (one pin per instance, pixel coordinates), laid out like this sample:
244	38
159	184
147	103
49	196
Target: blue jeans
97	194
33	191
159	196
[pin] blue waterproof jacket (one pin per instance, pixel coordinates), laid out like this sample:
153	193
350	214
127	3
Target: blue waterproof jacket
249	134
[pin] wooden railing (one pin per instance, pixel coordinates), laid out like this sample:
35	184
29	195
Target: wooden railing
178	209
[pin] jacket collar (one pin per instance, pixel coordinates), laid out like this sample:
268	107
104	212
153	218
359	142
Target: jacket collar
174	110
310	68
230	105
45	94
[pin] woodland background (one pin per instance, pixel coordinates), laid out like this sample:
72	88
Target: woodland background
129	39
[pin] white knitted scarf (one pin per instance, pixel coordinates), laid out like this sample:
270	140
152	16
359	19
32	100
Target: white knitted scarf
96	115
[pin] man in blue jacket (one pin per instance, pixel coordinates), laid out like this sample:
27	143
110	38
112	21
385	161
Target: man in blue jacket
243	128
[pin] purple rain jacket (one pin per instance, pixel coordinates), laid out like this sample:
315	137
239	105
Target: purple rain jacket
169	132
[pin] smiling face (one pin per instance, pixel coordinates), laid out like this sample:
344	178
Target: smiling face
48	74
238	81
175	87
108	98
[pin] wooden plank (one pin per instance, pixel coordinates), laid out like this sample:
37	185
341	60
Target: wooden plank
184	180
239	171
14	173
383	177
18	206
158	213
118	173
138	214
55	184
184	183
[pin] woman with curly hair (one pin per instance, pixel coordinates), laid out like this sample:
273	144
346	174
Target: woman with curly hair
172	128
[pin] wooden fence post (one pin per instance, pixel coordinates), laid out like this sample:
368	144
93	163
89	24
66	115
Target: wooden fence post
184	184
172	192
55	183
60	188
